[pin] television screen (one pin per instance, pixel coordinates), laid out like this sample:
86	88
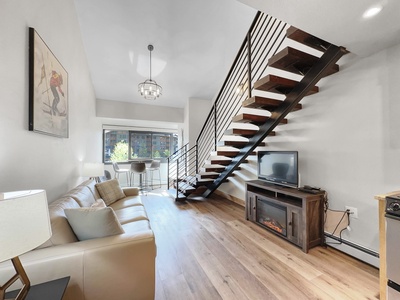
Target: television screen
279	167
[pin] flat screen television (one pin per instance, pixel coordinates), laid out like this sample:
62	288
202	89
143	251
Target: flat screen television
279	167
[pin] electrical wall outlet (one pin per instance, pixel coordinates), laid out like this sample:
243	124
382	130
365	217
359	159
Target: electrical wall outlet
353	212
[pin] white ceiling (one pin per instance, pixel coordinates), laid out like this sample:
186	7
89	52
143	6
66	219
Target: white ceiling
340	21
195	41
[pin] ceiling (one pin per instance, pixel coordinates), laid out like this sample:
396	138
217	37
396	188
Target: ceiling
195	41
340	22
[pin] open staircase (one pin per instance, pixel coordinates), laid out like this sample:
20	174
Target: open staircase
188	181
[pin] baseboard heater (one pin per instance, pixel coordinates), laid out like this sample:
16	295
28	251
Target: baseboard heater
353	245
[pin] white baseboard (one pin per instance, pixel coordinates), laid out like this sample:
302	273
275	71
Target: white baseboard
370	258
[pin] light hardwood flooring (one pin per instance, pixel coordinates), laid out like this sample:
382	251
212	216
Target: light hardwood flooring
208	250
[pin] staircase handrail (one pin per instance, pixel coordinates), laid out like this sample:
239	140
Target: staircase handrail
230	72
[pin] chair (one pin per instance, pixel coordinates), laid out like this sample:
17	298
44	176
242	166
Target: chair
117	171
154	166
138	168
107	176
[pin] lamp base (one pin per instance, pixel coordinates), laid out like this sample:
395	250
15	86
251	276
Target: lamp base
21	275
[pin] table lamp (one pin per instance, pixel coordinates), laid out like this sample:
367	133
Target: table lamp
25	225
93	170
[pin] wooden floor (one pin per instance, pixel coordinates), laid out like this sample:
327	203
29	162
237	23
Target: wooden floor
207	250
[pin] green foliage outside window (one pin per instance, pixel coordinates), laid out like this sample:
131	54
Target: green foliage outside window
120	152
124	145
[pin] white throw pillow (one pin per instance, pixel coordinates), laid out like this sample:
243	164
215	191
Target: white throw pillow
93	222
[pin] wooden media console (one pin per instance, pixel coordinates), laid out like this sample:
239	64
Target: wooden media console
289	213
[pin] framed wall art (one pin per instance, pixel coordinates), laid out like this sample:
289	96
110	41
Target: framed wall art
48	90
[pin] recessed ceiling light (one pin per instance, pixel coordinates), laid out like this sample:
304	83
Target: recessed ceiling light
372	11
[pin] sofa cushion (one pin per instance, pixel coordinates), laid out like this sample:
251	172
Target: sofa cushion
127	202
138	226
61	231
91	185
110	191
92	222
99	203
82	195
131	214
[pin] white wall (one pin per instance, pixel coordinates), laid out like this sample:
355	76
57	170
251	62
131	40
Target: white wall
30	160
196	112
348	138
135	111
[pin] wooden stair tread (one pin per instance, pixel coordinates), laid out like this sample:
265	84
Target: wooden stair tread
237	144
196	182
280	85
172	193
296	61
307	39
231	153
244	132
253	119
184	186
199	190
227	153
265	103
207	175
226	162
190	180
213	168
223	162
204	181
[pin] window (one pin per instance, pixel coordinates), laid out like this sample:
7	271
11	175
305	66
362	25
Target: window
123	145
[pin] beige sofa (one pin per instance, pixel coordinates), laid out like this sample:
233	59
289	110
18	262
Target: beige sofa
119	266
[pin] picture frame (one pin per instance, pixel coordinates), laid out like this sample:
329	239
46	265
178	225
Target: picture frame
48	90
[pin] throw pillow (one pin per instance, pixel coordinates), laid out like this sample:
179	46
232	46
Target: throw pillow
110	191
99	203
92	222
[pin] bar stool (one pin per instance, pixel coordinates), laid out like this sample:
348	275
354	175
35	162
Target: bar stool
117	171
154	166
138	168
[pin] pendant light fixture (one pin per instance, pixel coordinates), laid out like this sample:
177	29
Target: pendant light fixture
149	89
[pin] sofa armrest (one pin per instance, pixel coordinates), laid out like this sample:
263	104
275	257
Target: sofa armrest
115	267
130	191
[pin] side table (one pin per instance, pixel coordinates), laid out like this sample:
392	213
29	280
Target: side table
53	290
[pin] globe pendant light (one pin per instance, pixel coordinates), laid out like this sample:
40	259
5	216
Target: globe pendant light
149	89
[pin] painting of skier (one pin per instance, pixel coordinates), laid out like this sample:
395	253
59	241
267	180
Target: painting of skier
48	90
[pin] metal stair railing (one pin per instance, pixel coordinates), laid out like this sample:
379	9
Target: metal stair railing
263	40
182	167
171	163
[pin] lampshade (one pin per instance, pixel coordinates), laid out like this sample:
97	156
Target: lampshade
25	222
93	170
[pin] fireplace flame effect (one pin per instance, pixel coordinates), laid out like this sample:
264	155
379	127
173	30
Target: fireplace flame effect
273	224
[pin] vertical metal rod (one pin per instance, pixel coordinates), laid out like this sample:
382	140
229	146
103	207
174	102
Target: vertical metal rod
215	126
197	159
186	159
177	178
168	166
249	63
